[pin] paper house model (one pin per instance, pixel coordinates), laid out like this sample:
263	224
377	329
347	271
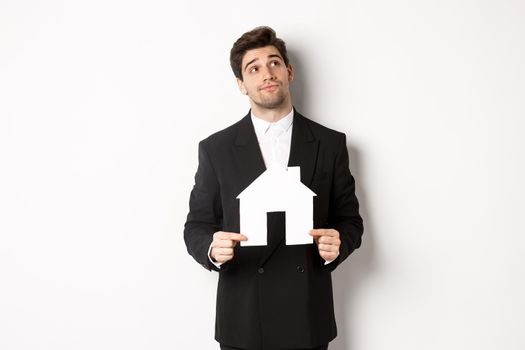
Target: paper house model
276	190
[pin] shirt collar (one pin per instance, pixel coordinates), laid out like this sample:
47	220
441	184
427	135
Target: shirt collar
261	126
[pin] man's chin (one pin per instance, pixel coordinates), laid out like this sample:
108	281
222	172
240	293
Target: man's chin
271	104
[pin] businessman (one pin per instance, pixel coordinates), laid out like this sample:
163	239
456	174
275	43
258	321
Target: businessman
276	296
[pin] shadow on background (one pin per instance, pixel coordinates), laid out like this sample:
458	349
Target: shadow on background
299	87
348	277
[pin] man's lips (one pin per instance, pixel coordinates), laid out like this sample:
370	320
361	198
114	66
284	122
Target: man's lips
269	87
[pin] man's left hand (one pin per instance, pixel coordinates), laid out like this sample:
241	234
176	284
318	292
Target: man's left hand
328	242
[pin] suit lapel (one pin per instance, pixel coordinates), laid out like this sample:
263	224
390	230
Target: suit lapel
250	162
303	150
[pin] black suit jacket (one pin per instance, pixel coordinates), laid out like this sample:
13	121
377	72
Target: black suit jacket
275	296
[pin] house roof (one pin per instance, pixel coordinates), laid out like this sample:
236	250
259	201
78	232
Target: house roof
277	179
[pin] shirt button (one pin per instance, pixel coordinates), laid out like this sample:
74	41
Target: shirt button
260	270
300	268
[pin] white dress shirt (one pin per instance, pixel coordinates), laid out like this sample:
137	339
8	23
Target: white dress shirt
275	140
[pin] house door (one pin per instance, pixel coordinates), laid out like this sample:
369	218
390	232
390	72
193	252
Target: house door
276	224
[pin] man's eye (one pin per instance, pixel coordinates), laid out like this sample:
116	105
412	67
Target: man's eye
275	63
253	70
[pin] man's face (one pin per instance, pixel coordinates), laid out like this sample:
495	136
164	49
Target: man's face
265	77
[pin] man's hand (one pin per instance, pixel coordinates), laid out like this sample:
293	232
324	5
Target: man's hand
328	242
223	244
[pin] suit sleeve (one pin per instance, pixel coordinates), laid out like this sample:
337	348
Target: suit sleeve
344	207
205	213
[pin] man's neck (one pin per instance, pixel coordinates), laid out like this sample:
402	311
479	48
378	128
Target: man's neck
271	115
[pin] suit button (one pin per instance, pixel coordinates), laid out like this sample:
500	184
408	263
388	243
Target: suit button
300	268
260	270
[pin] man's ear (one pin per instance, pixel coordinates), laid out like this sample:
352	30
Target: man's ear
241	86
290	70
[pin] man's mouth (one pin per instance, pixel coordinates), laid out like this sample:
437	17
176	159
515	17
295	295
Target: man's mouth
270	87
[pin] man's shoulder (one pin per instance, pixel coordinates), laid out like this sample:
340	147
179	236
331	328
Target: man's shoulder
226	135
319	130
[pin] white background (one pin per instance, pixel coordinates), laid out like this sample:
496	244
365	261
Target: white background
102	104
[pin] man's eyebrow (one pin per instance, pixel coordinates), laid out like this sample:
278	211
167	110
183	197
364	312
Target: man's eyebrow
247	64
269	56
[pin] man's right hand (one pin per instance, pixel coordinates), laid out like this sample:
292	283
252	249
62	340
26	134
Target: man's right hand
223	244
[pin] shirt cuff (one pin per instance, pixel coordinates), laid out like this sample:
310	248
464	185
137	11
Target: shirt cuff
326	262
217	264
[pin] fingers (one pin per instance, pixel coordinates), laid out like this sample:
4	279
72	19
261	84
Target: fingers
324	232
227	239
229	236
328	251
328	248
328	242
222	258
224	253
221	254
326	236
328	256
223	244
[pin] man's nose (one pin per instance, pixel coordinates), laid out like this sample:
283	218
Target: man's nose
268	74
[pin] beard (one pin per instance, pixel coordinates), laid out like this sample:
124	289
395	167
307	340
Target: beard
270	101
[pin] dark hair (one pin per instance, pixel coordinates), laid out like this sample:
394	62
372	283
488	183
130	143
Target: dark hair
254	39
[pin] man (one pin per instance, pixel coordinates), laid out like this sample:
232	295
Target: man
275	296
